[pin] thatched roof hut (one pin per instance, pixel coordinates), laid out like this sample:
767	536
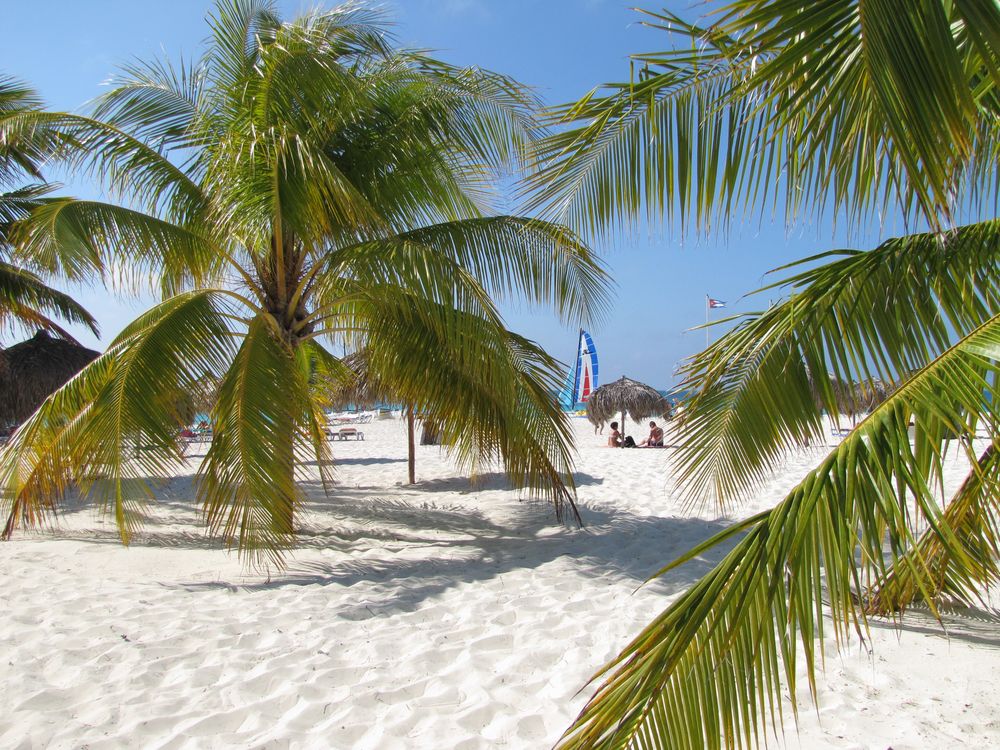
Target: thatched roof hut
34	369
626	396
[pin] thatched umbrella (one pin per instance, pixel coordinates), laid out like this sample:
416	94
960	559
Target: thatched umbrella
626	396
853	398
34	369
355	385
197	399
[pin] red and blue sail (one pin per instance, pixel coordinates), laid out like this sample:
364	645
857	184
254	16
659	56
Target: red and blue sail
583	376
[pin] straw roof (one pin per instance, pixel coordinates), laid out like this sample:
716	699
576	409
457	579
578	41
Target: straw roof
198	398
626	396
853	398
34	369
356	385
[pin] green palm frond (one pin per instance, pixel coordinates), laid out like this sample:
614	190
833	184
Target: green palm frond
499	258
488	116
930	567
24	146
858	316
238	27
489	390
16	205
78	239
248	476
712	670
847	107
24	298
518	257
159	103
128	166
114	426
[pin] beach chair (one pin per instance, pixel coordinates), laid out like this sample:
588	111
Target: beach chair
189	437
347	433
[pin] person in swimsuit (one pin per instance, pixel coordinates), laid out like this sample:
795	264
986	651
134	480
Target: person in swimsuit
615	438
655	439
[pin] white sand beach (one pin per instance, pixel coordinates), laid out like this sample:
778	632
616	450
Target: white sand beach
442	615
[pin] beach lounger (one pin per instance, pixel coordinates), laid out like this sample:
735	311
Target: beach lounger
194	437
346	433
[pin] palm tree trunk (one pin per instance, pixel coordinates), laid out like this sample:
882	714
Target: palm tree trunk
411	460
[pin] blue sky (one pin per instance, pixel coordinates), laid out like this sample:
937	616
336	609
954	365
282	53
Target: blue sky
563	48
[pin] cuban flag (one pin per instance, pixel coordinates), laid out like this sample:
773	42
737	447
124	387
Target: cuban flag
714	303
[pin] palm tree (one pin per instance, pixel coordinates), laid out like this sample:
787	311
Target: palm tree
852	108
304	184
24	299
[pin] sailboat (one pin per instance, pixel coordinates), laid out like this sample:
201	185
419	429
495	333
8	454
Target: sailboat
582	376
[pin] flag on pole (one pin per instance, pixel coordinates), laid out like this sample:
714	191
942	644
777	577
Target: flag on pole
714	303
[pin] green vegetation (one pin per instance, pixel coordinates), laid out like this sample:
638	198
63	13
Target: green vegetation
303	187
24	299
853	109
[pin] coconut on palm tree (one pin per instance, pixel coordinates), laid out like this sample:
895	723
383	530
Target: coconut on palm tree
303	184
852	108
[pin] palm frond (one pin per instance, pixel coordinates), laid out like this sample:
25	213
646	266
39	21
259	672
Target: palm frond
489	389
930	567
469	263
711	671
127	165
157	102
247	480
239	28
857	316
811	100
24	298
114	426
16	205
24	145
489	117
78	239
514	257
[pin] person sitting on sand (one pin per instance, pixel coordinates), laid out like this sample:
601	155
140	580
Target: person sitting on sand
655	439
615	438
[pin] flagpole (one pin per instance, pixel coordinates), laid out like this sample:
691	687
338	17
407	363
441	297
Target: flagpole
707	306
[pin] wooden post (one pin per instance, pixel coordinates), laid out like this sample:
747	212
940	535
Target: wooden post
411	457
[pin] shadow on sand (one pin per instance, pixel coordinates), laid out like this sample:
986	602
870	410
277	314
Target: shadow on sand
417	547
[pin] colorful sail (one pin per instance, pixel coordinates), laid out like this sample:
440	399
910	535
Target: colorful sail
582	378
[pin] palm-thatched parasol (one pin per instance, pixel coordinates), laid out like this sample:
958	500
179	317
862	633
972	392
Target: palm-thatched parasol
353	385
850	397
33	370
198	398
626	396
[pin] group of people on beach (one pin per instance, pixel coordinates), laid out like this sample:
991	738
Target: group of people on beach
617	440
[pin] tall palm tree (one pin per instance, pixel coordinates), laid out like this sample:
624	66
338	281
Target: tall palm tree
851	108
24	299
303	184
